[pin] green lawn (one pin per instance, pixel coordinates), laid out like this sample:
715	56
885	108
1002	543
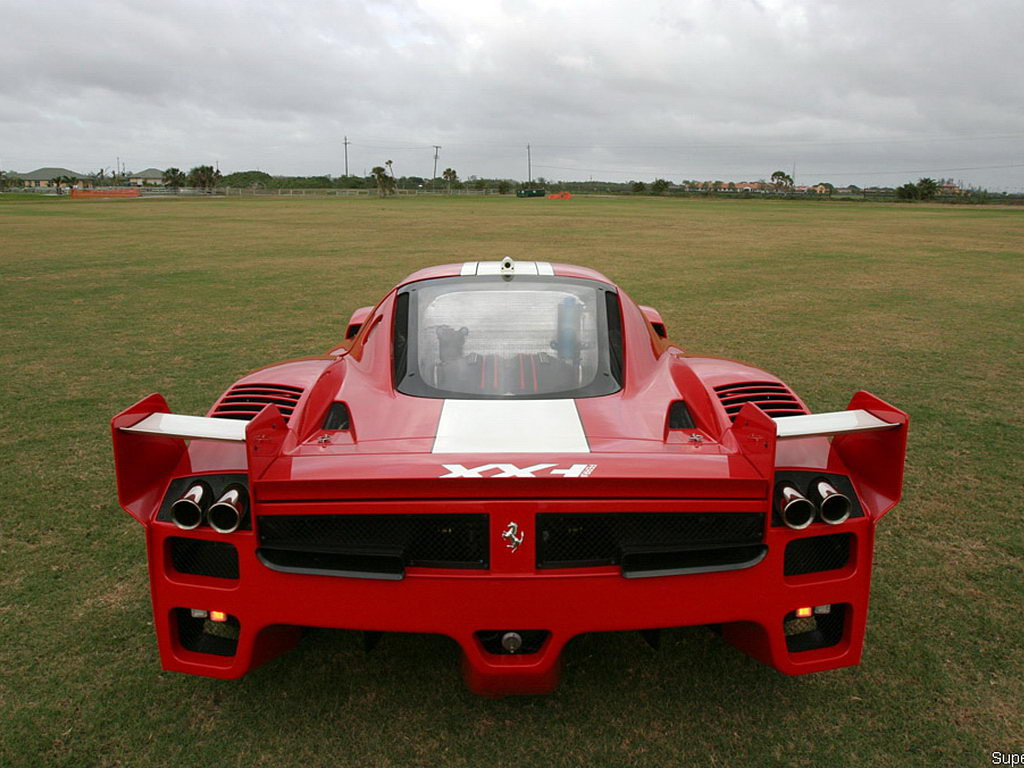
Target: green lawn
106	301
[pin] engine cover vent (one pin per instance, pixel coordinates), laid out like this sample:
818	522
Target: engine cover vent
244	401
773	398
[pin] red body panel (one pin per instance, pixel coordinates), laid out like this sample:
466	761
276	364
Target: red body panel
382	463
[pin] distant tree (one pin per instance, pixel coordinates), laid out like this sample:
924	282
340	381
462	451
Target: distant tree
252	179
716	185
781	180
56	183
99	177
638	187
908	191
659	187
504	187
69	181
927	188
479	184
203	177
174	178
450	177
350	182
731	186
9	180
385	183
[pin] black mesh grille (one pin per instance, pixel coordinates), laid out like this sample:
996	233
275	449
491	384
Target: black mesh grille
817	631
204	636
204	558
575	540
363	543
817	553
244	401
773	398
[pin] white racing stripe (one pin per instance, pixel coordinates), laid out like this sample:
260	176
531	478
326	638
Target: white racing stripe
510	426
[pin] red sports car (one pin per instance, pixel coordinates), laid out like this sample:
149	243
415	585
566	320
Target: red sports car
509	453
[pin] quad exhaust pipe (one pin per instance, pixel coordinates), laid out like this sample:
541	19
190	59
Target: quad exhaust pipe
228	512
189	511
833	507
795	509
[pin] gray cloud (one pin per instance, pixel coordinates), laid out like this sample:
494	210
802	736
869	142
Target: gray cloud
868	92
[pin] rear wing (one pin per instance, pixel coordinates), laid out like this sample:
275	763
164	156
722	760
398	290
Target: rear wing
150	446
869	439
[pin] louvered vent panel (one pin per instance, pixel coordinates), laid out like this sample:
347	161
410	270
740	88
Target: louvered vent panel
771	397
244	401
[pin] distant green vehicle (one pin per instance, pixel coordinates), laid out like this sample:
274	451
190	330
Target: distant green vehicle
531	193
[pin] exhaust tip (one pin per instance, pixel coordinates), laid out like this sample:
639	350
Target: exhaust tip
833	506
795	509
228	512
188	511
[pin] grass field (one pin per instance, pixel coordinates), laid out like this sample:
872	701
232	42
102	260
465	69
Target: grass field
106	301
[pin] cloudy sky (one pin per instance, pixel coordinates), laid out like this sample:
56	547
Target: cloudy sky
866	92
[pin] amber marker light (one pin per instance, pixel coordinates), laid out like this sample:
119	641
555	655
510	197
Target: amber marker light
222	616
801	613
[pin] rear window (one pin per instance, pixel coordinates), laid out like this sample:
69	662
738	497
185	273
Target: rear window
494	337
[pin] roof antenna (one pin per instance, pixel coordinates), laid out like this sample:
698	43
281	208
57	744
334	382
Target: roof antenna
508	267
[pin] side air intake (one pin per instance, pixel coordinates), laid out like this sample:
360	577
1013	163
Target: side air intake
244	401
773	398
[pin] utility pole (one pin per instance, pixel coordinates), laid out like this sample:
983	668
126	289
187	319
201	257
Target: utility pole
437	149
346	155
529	166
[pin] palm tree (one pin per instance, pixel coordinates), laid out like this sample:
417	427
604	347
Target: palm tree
204	177
927	188
56	182
450	176
69	181
9	179
174	178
